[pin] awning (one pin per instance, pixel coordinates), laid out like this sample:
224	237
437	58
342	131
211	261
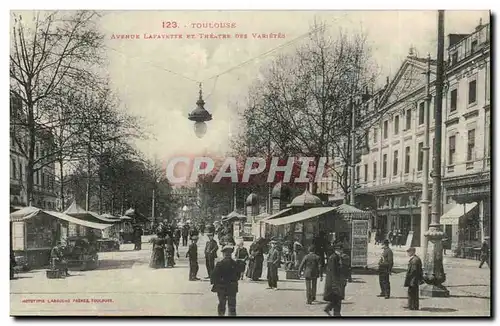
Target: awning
30	212
304	215
452	217
76	211
65	217
276	215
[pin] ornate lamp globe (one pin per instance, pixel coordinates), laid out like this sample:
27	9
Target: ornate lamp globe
200	116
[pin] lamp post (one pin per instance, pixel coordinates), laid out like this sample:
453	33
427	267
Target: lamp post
424	216
434	274
200	116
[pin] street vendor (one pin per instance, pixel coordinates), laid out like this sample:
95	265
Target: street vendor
57	258
298	254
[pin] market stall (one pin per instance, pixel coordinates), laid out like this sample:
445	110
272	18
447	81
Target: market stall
35	232
343	223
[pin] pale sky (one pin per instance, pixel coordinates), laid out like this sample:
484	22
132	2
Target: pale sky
164	99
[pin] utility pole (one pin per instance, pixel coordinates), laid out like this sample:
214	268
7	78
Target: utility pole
424	216
352	200
434	274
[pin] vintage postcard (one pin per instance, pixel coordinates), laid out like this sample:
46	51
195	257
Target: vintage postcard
250	163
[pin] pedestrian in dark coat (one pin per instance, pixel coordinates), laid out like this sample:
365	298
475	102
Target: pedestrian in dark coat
185	235
385	265
273	264
224	280
485	253
192	254
211	248
241	256
138	238
335	282
312	269
251	259
169	252
414	276
258	254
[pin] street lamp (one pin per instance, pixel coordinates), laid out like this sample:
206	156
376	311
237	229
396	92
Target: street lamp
200	116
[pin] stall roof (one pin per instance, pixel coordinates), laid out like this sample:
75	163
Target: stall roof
75	210
304	215
93	225
278	214
31	212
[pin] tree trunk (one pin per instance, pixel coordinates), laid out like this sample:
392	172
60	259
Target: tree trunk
61	184
89	173
31	156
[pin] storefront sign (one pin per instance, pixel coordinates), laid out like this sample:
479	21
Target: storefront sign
359	252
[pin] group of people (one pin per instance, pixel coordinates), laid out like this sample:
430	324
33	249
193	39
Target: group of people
165	246
414	275
395	237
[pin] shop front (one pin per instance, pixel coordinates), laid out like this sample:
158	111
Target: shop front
468	213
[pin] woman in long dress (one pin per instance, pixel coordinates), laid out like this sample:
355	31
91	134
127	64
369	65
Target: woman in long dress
258	255
157	254
251	259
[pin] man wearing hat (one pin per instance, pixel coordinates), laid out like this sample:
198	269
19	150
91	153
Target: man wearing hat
414	276
192	254
385	265
485	253
224	280
335	281
273	263
211	248
312	269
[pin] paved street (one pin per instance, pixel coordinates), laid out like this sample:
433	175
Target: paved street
125	285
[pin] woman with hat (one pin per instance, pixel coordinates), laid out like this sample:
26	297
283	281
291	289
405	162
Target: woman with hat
258	259
157	253
241	256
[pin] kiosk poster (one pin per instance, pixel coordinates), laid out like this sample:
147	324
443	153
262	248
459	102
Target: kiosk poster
359	252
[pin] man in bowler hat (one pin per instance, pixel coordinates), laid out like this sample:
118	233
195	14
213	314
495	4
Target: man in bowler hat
414	276
273	263
211	248
385	265
224	280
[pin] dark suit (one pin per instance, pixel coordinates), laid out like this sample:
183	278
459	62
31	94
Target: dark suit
192	254
312	268
210	255
414	276
385	265
273	263
335	282
224	278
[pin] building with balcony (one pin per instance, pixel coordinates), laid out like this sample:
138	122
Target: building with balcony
44	185
389	171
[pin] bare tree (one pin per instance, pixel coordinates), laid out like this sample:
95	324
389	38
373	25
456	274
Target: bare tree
303	104
47	53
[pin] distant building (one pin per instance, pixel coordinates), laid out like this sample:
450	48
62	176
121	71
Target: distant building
388	172
44	185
